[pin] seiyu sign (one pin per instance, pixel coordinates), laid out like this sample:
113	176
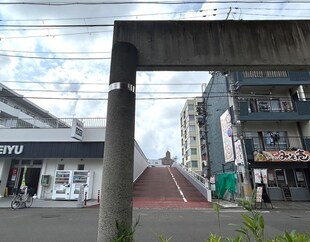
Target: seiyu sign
77	129
11	149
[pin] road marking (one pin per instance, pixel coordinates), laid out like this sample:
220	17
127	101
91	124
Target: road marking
175	181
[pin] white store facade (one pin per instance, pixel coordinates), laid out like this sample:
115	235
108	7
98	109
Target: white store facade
35	153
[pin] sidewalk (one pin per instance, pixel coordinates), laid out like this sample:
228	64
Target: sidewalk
5	202
277	205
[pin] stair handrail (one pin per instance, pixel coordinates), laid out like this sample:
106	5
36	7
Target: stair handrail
196	176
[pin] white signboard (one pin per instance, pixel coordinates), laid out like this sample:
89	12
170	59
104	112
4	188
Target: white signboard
77	129
227	136
238	152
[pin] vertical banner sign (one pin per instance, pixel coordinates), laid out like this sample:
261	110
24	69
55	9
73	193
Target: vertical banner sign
227	136
239	154
77	129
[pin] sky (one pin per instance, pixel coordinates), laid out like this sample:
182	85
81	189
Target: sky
65	70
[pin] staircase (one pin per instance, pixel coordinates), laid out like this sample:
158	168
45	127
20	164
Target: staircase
166	187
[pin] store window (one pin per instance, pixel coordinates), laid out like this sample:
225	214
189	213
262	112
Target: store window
60	167
26	162
80	167
271	178
37	162
290	178
300	178
280	177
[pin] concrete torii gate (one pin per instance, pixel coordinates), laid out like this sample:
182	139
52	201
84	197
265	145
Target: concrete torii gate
180	46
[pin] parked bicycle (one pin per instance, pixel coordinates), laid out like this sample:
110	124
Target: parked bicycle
22	198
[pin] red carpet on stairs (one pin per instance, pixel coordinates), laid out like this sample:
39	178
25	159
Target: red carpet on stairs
157	188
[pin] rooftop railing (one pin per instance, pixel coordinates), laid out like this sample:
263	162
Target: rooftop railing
26	123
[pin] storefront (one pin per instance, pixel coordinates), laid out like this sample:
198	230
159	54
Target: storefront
286	174
36	164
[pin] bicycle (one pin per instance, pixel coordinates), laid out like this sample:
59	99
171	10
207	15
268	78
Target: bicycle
22	198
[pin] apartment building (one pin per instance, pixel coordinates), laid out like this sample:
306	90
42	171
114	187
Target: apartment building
190	135
268	133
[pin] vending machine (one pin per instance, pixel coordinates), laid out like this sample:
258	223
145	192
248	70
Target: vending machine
82	178
62	185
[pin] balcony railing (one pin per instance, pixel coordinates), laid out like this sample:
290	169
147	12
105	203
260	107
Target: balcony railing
283	143
50	123
259	110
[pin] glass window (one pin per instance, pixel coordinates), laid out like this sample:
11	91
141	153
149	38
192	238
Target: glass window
193	139
193	151
60	167
275	140
271	178
15	163
300	178
280	177
290	178
37	162
192	128
191	117
194	163
26	162
190	107
80	167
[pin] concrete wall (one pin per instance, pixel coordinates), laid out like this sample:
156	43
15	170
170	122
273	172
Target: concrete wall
140	162
218	45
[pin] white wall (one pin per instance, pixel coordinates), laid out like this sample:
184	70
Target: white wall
140	162
50	135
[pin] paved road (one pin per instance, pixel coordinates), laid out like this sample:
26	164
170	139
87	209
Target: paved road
185	225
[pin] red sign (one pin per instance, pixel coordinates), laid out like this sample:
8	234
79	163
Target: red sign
282	155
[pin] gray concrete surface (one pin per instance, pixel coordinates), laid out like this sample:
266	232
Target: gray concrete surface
218	45
183	225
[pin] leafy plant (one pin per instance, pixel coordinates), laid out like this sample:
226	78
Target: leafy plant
293	236
162	239
125	234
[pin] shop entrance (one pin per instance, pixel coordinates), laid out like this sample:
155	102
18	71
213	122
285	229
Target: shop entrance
27	170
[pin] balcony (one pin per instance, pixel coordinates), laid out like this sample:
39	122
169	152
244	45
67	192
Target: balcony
271	78
270	110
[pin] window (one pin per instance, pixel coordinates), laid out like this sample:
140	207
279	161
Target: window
191	117
193	140
37	162
275	140
80	167
26	162
194	163
290	178
60	167
193	151
300	178
192	128
190	107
